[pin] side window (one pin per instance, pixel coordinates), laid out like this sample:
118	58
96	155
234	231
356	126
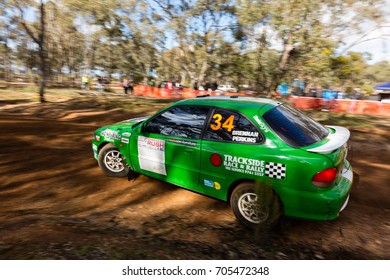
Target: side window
180	121
226	125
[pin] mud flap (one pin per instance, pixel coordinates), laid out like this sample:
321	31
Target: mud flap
131	175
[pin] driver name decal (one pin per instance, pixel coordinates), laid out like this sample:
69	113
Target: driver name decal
151	154
245	136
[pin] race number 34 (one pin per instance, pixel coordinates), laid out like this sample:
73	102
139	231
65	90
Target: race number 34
228	124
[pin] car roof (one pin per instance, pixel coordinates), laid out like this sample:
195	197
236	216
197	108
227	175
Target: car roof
239	103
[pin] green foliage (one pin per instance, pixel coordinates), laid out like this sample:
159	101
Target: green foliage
377	73
348	67
307	39
257	43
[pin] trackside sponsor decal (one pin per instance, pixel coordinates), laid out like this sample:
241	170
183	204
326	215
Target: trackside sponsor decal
151	154
110	135
254	167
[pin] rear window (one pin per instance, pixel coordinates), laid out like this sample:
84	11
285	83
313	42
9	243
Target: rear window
295	128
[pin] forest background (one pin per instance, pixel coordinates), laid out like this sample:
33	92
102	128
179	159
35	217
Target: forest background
257	44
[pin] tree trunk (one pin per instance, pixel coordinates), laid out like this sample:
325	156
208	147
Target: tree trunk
43	76
202	72
288	47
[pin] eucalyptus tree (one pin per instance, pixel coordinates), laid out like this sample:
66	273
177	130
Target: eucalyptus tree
197	29
36	30
64	41
6	35
100	23
143	39
305	33
348	69
377	73
121	35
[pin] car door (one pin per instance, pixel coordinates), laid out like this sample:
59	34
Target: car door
231	150
168	145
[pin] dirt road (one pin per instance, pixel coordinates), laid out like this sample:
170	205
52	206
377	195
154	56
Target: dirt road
55	203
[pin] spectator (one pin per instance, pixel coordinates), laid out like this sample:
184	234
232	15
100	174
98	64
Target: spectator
329	96
207	85
85	82
214	86
106	84
99	84
131	86
126	85
282	89
169	85
177	87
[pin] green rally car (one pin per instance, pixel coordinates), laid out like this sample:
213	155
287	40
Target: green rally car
230	148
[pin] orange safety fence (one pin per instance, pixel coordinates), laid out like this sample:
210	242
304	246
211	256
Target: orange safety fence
182	93
305	103
351	106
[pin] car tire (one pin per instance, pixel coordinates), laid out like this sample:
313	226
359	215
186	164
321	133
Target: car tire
256	205
111	161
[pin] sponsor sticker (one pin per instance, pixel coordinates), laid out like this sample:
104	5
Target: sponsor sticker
151	154
97	137
261	123
94	147
125	140
254	167
211	184
184	142
208	183
126	134
110	135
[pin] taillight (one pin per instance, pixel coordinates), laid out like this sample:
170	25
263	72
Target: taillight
324	178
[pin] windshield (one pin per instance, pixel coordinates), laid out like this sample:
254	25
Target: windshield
293	127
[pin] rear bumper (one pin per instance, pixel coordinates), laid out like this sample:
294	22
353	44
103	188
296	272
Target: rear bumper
325	204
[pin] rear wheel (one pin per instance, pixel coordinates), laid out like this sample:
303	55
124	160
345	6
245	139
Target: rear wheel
255	205
111	161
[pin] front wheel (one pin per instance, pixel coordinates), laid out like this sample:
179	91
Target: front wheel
255	205
111	161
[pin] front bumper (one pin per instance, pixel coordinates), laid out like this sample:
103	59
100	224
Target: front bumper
95	149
